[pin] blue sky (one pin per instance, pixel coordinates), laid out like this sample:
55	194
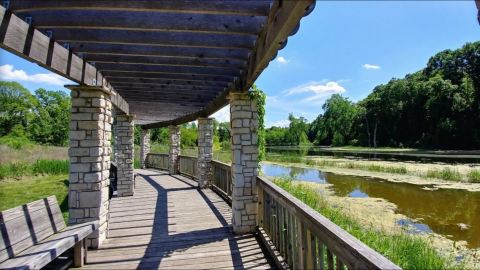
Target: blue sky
341	47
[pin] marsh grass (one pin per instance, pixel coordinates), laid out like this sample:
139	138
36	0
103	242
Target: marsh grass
32	153
17	192
18	170
474	176
407	251
445	174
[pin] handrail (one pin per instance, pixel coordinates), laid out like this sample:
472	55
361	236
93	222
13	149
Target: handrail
157	161
292	230
188	166
222	179
307	234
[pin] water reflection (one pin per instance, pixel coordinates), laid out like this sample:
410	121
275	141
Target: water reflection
452	213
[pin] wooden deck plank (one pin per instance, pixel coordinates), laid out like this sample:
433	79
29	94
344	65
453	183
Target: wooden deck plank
170	224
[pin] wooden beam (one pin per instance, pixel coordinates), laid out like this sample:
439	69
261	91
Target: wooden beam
165	61
167	86
154	81
120	75
198	40
283	20
145	21
246	8
135	68
159	51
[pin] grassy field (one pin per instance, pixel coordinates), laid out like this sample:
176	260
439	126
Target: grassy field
407	251
17	192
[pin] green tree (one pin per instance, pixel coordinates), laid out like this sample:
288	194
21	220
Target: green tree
50	124
16	106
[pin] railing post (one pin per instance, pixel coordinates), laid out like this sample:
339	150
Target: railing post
124	129
89	153
205	151
144	147
244	125
174	151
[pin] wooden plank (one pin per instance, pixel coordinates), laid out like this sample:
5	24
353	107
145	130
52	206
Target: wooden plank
16	34
181	39
165	60
147	21
133	68
39	47
173	79
246	8
90	49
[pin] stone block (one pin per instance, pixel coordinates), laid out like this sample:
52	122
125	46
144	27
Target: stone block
90	199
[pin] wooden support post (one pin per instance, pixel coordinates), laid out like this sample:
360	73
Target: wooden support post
79	254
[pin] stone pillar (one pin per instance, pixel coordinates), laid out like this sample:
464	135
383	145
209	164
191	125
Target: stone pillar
89	152
244	125
144	147
205	151
124	130
174	152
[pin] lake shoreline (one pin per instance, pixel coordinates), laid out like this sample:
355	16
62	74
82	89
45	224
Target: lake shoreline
391	177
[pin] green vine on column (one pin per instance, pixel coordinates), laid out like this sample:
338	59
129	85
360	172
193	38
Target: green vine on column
259	97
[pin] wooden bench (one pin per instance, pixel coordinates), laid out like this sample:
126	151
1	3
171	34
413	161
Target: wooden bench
34	234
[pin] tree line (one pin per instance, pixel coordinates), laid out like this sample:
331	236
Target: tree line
436	107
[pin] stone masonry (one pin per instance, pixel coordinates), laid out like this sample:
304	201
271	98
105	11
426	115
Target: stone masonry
89	152
244	125
124	129
205	151
144	147
174	152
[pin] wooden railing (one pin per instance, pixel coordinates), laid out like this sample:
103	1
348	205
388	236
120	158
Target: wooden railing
222	179
188	166
306	239
297	236
157	161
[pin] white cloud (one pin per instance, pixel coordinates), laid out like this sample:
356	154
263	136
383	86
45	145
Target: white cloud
281	123
223	115
320	90
282	60
370	66
8	73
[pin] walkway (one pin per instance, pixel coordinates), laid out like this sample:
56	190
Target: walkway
170	224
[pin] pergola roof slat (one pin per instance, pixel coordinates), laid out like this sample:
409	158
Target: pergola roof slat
247	8
166	61
177	39
146	21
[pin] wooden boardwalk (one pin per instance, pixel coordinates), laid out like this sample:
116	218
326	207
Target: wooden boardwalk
170	224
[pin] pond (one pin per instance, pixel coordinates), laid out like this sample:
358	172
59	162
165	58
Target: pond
452	157
449	212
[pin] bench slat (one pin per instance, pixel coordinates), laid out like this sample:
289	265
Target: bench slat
23	226
41	254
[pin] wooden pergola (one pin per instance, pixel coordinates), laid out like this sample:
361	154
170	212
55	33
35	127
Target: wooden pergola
157	64
170	61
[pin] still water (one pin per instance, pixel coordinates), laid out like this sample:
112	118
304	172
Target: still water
452	213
